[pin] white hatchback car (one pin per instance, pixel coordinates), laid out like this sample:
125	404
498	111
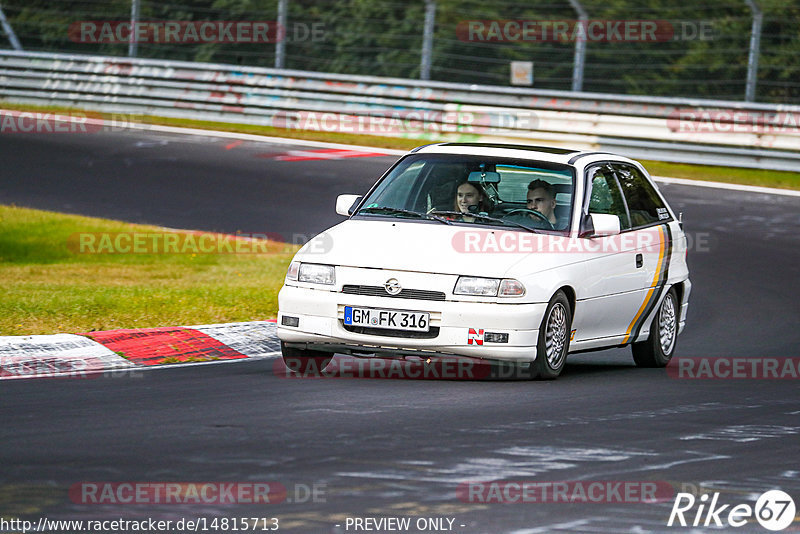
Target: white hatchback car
502	253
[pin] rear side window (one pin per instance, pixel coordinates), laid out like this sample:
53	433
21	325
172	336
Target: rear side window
644	204
606	197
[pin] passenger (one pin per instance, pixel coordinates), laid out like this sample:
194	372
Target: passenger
470	199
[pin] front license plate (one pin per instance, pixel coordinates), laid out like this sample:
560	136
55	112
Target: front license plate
389	319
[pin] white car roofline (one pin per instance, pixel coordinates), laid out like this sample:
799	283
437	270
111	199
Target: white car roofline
562	155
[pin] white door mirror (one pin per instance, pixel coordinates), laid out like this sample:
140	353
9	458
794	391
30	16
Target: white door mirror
604	224
345	204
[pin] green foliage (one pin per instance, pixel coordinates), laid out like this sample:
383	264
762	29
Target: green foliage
707	55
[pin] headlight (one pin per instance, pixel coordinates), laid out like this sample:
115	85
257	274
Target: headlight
488	287
316	274
291	273
480	287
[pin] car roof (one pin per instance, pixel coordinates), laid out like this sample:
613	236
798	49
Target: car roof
542	153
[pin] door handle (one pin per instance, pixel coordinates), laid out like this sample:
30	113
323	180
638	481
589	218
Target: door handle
639	260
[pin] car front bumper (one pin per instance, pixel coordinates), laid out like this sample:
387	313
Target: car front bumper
462	326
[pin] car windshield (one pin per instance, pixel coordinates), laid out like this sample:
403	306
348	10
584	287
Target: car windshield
478	190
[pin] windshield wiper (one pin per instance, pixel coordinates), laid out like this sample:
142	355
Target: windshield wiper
486	218
389	209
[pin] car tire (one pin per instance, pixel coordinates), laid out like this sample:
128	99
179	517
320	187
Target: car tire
554	337
305	362
658	348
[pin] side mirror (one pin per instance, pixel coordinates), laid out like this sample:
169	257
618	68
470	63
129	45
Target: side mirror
346	203
601	225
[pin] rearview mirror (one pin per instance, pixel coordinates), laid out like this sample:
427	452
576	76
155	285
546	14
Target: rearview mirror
484	177
346	203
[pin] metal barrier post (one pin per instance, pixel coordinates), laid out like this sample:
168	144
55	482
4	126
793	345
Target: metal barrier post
755	45
12	37
427	40
580	46
132	44
280	43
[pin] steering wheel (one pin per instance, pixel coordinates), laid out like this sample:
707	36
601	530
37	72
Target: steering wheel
535	213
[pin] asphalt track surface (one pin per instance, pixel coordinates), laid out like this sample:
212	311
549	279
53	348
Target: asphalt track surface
399	447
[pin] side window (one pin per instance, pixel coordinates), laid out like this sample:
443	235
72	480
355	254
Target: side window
606	197
644	204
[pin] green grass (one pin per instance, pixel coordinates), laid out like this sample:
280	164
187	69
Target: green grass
50	286
779	179
731	175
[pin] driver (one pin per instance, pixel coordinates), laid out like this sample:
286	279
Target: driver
542	198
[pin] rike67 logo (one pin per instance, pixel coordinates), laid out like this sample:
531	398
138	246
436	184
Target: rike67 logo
774	510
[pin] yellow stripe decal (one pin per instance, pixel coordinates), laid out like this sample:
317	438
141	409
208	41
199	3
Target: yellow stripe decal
650	292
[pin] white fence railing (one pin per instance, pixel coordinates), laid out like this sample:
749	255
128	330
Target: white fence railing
668	129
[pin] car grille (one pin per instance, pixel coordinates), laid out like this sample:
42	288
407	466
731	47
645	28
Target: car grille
379	291
432	333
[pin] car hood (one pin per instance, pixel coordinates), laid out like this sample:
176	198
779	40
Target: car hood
403	245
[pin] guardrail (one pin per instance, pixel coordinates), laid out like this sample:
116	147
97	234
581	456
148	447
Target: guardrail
668	129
